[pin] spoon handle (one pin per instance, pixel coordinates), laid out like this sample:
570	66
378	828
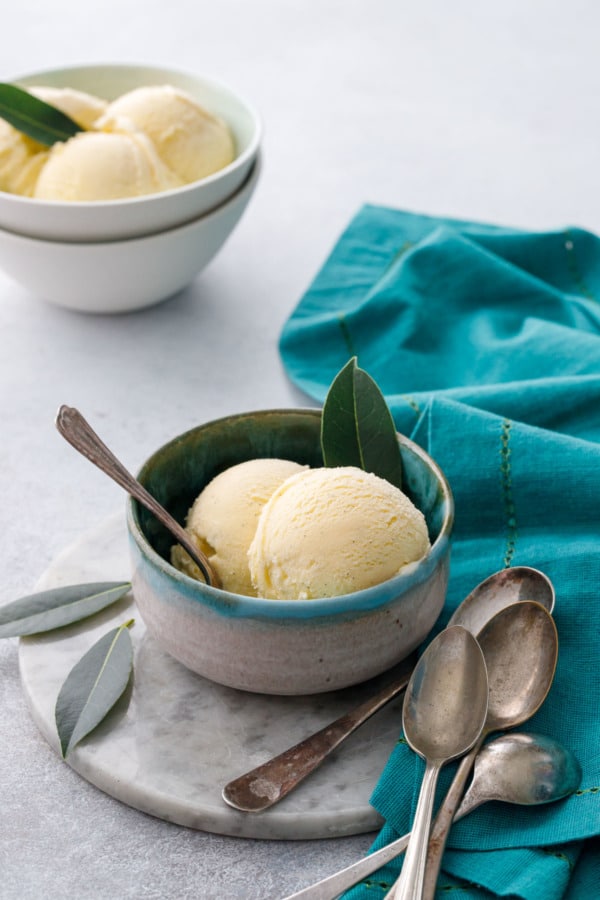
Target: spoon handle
270	782
409	885
333	885
77	431
445	815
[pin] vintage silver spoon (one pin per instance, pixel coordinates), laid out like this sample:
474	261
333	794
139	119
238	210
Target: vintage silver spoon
444	711
520	648
76	430
269	782
526	769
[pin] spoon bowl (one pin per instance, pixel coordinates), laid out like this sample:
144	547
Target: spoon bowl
524	769
520	646
447	696
500	590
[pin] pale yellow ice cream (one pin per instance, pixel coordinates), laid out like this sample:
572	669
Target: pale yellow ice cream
191	141
21	158
83	108
148	140
331	531
101	165
224	517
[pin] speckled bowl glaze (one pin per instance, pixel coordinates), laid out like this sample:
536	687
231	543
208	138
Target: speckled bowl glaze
270	646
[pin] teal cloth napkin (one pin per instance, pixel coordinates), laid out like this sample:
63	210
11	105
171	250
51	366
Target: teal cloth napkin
486	343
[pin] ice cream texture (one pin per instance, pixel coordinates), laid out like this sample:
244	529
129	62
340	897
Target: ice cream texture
278	530
148	140
223	519
80	106
191	141
331	531
21	158
99	165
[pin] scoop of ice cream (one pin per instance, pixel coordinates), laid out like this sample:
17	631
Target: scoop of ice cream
148	140
223	519
190	140
331	531
21	160
83	108
98	165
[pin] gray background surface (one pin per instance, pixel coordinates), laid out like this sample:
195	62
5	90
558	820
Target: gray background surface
478	110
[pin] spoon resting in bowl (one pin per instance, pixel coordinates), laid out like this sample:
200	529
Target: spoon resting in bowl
77	431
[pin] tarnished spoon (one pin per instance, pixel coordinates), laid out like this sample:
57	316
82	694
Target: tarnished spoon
500	590
444	711
526	769
76	430
520	647
269	782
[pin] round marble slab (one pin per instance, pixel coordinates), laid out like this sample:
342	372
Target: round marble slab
175	739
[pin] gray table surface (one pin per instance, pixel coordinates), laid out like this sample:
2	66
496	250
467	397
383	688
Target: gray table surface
470	109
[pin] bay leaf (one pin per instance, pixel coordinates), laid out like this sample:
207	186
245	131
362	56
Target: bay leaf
57	607
357	428
339	437
34	117
93	686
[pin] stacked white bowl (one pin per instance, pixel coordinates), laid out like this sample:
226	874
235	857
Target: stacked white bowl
121	255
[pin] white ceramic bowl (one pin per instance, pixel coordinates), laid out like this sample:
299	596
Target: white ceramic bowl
118	219
122	276
280	646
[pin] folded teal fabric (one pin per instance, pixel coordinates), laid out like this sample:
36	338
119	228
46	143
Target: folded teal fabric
486	343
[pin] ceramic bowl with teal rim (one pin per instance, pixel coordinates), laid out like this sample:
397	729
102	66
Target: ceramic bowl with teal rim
280	646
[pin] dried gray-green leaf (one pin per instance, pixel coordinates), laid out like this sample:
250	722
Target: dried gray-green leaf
34	117
93	686
357	428
57	607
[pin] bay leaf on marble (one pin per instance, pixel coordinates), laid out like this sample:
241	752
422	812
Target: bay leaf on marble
34	117
357	428
93	686
57	607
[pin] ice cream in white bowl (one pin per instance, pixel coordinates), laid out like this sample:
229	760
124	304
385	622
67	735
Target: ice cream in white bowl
167	147
282	646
